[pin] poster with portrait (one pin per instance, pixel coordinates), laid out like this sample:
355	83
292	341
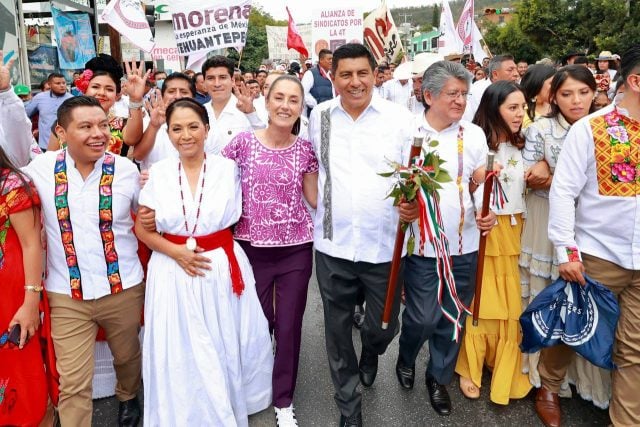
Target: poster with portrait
74	38
332	27
277	41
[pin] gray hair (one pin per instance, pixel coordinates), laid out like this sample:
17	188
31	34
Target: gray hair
496	63
436	76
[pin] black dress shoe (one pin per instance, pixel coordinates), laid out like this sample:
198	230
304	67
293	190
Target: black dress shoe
129	413
358	316
406	375
439	397
368	367
352	421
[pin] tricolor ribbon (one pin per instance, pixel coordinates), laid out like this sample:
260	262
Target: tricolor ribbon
499	195
431	225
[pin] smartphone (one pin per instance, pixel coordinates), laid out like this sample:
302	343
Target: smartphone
14	334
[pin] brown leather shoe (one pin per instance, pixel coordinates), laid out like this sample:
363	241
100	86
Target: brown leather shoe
548	407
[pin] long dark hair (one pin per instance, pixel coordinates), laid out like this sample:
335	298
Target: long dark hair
532	83
286	77
6	164
576	72
488	115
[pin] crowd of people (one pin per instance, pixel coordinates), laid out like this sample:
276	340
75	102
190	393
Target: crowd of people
194	203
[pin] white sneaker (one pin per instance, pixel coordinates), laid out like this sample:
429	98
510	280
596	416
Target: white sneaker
286	417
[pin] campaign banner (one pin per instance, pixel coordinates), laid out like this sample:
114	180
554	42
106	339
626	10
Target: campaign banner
74	38
381	34
200	28
332	27
277	42
44	61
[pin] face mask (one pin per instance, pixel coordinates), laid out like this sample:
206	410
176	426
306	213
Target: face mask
159	83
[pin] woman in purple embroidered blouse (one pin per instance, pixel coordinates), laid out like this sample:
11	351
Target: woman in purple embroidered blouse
278	170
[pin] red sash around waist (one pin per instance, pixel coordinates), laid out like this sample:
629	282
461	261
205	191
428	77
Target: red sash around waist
220	239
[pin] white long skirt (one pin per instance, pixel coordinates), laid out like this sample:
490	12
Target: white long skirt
207	354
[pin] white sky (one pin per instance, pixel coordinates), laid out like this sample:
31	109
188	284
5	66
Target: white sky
301	10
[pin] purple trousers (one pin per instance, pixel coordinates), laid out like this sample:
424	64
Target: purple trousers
282	278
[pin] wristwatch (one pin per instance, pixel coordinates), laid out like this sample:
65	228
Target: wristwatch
33	288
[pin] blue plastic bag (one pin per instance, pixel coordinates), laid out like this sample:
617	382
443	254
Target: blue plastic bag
582	317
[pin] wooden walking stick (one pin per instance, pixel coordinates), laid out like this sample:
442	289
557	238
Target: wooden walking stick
486	199
392	282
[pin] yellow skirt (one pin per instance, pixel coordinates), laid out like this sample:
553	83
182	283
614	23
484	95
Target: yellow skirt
495	341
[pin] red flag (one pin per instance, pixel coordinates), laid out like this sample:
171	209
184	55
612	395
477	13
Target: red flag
294	39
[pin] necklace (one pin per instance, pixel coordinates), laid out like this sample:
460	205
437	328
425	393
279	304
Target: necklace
191	241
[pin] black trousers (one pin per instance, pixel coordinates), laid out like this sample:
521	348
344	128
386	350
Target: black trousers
422	318
340	281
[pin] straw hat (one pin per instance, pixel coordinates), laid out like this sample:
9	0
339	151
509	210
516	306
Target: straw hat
605	55
403	71
424	60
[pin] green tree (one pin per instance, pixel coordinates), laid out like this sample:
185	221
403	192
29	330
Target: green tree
435	19
509	39
557	27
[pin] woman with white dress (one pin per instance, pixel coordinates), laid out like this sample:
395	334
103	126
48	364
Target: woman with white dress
207	356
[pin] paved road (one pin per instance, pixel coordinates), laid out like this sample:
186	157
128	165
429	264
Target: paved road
386	404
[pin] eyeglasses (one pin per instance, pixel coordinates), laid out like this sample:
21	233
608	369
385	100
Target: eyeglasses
454	94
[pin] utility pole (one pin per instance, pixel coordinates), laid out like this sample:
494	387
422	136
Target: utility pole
114	43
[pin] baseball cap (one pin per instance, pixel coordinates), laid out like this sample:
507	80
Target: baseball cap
22	90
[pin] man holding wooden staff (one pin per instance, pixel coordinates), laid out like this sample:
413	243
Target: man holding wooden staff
435	307
354	136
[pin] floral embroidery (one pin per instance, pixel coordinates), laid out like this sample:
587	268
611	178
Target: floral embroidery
116	125
622	170
573	255
14	199
105	224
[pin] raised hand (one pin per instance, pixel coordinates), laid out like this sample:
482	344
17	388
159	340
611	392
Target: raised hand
245	100
157	109
136	80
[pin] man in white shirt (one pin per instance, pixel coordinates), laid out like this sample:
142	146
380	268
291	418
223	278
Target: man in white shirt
399	89
463	147
229	114
378	86
155	144
94	274
594	224
355	135
501	67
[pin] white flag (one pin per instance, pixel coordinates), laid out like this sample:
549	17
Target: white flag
479	51
465	27
127	18
448	42
381	34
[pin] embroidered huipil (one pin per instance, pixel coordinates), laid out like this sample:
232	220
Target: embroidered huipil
511	178
83	199
456	206
273	212
363	220
598	167
544	139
